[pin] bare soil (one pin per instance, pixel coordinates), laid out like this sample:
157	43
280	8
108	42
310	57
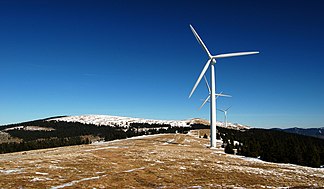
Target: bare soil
159	161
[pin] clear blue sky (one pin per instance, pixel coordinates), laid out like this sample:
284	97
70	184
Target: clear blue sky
140	59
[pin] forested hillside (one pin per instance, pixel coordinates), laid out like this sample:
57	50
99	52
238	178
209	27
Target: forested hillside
59	133
276	146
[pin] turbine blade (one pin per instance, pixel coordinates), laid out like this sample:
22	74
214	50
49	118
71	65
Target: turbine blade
225	95
207	84
200	77
218	94
228	108
220	110
204	102
234	54
200	41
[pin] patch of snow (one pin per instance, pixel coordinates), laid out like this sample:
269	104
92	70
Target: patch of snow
236	142
131	170
143	136
252	159
285	168
168	142
98	143
36	179
55	167
158	161
195	187
10	171
30	128
183	145
74	182
40	173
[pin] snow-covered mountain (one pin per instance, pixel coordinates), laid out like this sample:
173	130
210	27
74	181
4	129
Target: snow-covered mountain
120	121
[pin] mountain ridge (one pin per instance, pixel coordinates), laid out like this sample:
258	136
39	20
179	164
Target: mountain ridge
123	121
313	132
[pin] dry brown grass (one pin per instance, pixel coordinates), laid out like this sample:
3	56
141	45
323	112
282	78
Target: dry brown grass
161	161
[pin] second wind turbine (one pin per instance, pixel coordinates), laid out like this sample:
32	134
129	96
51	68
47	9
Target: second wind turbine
211	62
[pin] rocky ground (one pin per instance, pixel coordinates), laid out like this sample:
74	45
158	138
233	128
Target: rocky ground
159	161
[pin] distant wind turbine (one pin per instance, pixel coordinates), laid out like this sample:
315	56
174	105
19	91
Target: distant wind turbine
209	92
225	114
210	63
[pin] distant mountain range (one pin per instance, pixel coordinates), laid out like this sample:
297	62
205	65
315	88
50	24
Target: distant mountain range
313	132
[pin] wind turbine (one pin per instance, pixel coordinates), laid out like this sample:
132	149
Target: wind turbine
225	114
209	92
210	63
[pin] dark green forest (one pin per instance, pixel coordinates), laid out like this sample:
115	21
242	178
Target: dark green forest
275	146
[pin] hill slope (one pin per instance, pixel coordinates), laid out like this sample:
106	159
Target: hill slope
159	161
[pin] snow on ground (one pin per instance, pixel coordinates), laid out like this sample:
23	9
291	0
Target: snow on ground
11	171
40	173
131	170
74	182
118	120
285	168
290	167
195	187
30	128
38	179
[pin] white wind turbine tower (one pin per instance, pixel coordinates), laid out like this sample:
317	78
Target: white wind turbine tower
210	63
209	92
225	114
